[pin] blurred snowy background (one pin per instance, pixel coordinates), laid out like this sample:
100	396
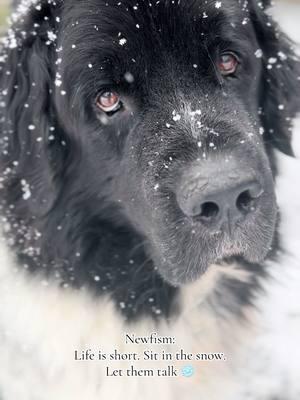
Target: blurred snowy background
3	11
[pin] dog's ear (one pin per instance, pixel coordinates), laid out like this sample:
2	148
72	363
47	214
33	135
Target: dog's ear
27	122
280	87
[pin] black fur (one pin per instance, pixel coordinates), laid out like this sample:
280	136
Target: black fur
93	218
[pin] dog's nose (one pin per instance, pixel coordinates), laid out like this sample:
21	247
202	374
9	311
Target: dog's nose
220	200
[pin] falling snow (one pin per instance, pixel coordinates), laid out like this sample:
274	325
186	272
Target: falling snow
176	117
129	77
25	189
272	60
122	41
258	53
51	36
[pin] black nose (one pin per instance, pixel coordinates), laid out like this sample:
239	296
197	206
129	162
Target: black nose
223	199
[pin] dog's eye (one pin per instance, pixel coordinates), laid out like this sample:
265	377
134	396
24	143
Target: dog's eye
108	101
228	63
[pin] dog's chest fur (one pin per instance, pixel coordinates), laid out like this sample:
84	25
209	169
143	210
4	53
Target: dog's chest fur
41	327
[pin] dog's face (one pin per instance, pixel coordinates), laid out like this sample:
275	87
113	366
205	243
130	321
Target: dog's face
172	98
166	105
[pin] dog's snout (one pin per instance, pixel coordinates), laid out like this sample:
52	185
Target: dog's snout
222	198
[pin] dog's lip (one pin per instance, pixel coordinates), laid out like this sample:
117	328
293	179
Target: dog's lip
183	279
177	275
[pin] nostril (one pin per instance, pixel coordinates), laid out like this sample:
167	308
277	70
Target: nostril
209	210
246	202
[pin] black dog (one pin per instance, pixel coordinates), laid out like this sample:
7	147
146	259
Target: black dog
138	145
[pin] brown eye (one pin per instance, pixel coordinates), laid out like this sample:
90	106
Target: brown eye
228	64
108	101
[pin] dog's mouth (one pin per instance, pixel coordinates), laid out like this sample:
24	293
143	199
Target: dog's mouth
184	260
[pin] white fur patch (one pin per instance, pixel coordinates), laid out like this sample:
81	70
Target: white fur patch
41	327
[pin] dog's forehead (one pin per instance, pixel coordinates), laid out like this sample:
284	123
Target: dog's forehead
129	29
136	18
